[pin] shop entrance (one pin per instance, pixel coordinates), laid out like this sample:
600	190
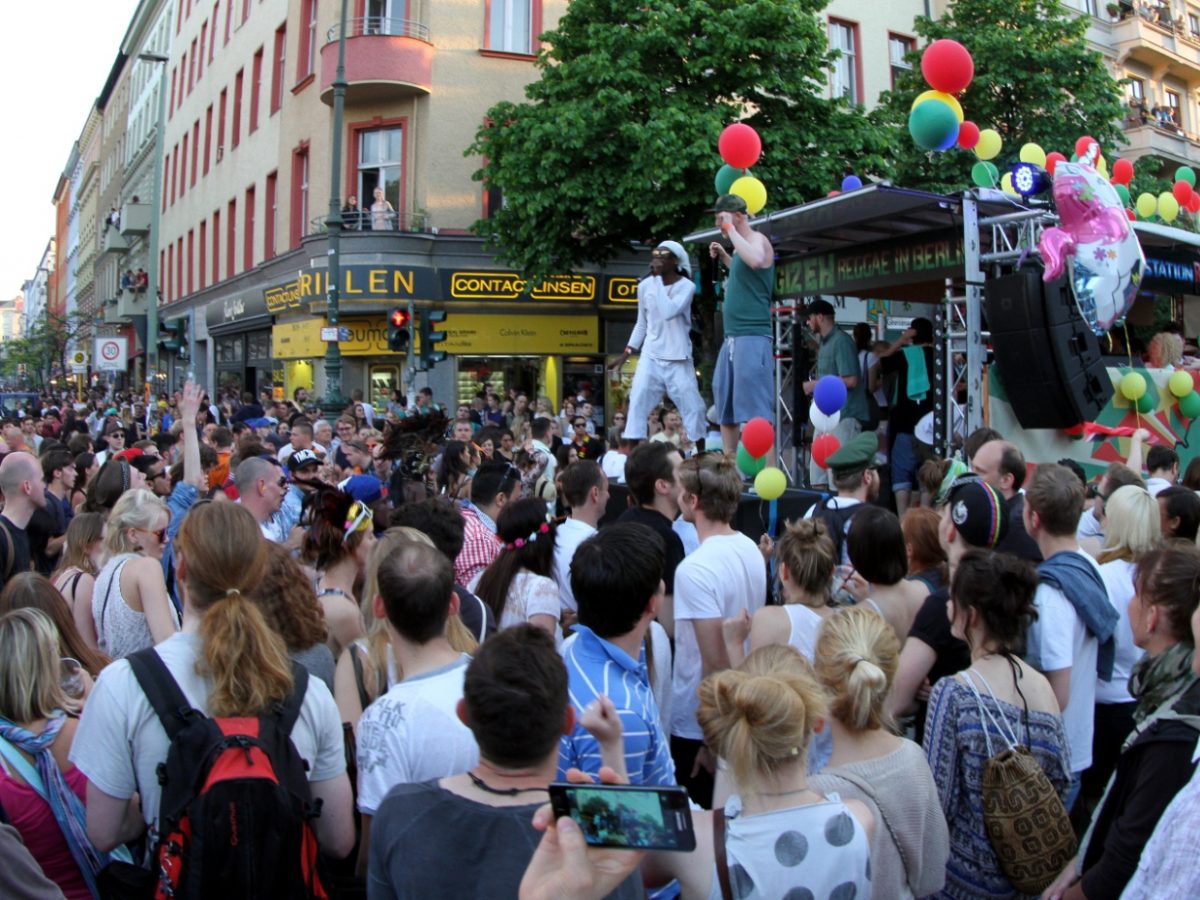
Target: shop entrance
525	374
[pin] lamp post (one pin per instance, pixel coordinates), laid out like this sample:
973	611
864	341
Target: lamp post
152	262
334	402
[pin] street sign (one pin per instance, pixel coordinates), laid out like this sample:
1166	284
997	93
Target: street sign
329	333
112	354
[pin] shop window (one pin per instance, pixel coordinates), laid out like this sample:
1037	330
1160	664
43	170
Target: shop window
843	36
229	350
898	47
258	345
379	159
384	379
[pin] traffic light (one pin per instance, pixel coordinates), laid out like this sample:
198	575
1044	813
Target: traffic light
399	331
429	338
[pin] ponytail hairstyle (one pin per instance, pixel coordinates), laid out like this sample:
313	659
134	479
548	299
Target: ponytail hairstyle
526	546
1000	588
807	551
856	657
219	554
760	716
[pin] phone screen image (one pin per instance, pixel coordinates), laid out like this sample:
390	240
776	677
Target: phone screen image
623	816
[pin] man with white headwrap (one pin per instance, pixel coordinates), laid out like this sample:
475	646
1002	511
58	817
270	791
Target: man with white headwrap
662	335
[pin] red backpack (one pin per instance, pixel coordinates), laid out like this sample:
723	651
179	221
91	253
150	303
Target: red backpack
235	818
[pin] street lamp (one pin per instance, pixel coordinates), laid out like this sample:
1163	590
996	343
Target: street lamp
156	193
334	401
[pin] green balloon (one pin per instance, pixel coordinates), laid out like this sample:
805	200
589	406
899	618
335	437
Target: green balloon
931	123
726	176
1147	403
985	174
747	464
1186	173
1189	406
1123	193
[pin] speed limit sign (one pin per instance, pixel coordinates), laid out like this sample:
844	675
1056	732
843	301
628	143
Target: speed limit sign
112	354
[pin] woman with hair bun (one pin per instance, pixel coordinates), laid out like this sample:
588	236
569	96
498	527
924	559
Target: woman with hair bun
337	544
782	838
990	607
856	659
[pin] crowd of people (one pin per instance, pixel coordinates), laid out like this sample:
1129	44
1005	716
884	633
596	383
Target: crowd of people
418	621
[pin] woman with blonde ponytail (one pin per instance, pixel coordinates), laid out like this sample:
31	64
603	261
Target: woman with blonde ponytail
228	662
856	657
781	837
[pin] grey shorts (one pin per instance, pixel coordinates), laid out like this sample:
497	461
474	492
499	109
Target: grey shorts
744	380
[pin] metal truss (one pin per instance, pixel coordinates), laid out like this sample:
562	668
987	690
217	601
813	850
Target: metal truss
788	332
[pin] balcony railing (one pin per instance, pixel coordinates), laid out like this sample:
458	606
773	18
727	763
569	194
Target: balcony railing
367	221
370	25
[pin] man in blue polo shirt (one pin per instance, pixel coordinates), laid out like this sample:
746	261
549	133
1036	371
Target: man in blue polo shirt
616	576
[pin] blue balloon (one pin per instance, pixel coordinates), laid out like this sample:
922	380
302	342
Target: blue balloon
830	394
851	183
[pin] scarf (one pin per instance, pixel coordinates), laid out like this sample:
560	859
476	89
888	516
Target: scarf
1158	680
64	803
918	374
1084	589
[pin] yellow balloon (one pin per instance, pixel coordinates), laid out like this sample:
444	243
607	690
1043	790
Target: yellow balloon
1032	153
1102	166
770	483
1146	205
1168	206
1181	384
948	99
989	144
753	191
1133	386
1006	184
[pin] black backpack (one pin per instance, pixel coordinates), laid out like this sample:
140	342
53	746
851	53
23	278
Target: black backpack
837	522
235	818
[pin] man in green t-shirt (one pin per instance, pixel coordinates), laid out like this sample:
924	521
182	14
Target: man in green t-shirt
836	355
744	380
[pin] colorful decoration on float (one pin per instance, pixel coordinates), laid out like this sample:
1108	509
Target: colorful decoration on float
936	121
758	437
740	147
770	483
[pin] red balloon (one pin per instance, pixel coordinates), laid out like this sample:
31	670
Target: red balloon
823	447
758	436
1183	192
1052	160
833	193
740	145
1130	214
968	135
947	66
1081	145
1193	204
1122	172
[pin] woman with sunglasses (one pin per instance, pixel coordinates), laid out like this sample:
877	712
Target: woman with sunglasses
337	544
130	606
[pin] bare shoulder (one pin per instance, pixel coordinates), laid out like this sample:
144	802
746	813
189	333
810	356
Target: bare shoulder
1037	689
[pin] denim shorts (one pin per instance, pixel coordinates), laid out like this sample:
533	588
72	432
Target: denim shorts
905	462
744	380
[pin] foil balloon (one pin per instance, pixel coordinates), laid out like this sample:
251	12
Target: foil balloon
1096	243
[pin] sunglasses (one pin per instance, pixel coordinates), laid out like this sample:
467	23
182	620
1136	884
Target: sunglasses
359	518
662	254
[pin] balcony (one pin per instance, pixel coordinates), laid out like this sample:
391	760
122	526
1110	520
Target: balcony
1157	41
385	59
111	316
135	218
131	303
1152	140
369	222
114	241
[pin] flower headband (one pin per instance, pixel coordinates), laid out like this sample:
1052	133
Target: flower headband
544	528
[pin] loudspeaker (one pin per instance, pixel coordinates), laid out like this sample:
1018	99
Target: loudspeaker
1047	358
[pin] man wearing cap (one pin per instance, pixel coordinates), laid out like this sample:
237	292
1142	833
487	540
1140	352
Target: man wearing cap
856	481
973	515
662	335
744	380
836	355
304	466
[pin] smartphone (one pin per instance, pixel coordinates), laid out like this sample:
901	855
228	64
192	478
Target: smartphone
628	816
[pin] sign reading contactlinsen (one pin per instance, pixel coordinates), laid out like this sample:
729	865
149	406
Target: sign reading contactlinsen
511	286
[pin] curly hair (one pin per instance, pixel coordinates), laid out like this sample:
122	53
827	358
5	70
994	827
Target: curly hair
288	602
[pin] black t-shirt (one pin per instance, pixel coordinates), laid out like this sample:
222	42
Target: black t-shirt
1017	540
46	523
20	551
932	625
672	544
475	614
905	412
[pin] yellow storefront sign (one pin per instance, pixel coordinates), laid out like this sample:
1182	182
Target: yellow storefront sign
466	334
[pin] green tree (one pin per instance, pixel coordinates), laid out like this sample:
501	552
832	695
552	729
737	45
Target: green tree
617	140
1036	80
43	348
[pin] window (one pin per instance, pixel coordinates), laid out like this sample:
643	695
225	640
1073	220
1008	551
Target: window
1193	23
201	271
169	293
208	116
245	11
510	26
278	68
203	41
183	171
212	45
195	149
299	194
190	259
379	168
307	60
235	135
216	247
269	213
178	18
171	101
183	63
843	37
230	238
192	68
179	266
255	88
248	236
221	126
898	47
174	173
1173	105
166	182
1137	89
228	19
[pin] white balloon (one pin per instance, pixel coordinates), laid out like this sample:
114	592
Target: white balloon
821	422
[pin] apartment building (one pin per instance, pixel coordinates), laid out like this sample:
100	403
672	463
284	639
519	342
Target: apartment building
12	317
873	40
36	290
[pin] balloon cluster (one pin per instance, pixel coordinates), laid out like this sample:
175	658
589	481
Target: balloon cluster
829	396
1183	388
936	119
1136	389
1182	196
758	437
740	147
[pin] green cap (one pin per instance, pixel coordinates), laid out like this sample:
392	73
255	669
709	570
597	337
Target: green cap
728	203
855	455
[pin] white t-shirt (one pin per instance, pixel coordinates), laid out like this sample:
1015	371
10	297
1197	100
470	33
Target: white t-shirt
687	534
567	538
1089	526
413	733
1060	640
531	595
1156	485
120	741
726	575
613	465
1118	578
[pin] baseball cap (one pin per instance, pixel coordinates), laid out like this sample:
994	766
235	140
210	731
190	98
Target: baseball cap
978	512
819	307
260	422
678	252
363	488
728	203
302	458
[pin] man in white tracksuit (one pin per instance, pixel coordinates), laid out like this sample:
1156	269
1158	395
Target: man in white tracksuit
662	336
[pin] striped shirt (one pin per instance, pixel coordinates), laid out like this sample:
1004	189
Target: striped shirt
594	667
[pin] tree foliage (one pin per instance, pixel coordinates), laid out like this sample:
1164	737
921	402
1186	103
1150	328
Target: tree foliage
617	140
42	350
1036	80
